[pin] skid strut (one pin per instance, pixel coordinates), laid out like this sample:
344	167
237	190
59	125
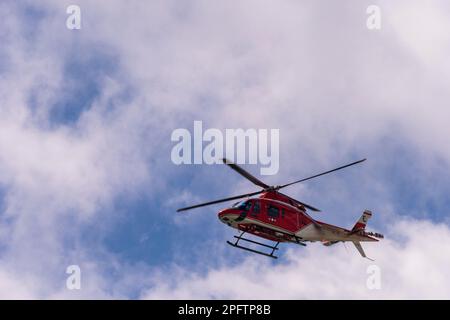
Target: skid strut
238	238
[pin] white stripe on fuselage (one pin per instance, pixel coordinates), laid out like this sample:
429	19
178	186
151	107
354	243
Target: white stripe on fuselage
309	232
248	220
312	232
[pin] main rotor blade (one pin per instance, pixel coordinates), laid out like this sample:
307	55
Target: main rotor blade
321	174
245	174
221	200
302	203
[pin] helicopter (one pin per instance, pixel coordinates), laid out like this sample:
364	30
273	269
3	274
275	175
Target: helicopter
279	218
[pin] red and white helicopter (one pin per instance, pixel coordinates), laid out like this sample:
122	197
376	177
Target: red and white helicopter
277	217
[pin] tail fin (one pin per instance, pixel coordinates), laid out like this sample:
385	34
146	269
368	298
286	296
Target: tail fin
362	222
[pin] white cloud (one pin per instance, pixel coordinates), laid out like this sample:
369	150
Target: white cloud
413	264
58	179
329	84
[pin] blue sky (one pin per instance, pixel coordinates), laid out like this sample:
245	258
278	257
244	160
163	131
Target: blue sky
86	118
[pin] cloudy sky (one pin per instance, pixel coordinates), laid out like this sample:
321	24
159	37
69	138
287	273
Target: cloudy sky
85	123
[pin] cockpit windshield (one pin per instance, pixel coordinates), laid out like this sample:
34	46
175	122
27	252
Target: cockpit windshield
243	205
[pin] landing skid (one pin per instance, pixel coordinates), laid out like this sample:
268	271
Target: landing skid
239	238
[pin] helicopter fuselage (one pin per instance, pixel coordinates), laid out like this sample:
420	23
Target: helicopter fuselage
276	217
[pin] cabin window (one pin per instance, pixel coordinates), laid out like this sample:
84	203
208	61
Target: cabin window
256	207
273	212
244	205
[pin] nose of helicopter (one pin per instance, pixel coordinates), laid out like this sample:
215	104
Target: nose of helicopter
226	215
